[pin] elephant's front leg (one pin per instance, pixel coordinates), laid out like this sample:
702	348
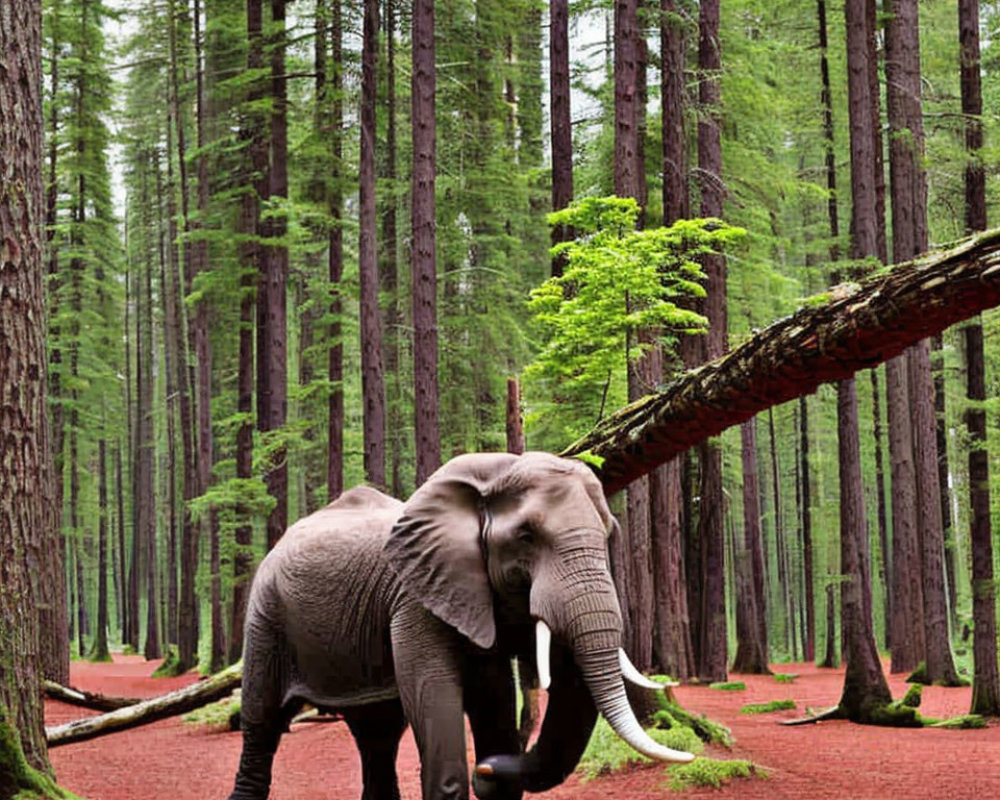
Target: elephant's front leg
428	662
491	703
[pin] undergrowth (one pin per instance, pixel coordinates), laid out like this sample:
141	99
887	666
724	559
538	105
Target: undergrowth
728	686
710	772
214	715
607	753
766	708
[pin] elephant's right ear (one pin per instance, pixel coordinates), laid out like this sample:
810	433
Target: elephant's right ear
435	545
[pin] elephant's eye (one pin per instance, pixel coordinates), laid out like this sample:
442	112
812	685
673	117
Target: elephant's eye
526	536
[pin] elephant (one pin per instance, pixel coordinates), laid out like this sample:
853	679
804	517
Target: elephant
393	614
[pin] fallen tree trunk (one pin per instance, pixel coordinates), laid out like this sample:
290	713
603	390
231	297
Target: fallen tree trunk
167	705
84	699
853	327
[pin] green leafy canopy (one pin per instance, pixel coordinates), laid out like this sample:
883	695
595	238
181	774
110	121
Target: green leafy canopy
620	294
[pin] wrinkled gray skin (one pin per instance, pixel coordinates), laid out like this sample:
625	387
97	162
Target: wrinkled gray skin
393	614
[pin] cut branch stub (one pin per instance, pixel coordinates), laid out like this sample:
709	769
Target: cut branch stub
858	327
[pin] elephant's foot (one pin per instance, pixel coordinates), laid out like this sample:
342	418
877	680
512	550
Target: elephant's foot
253	778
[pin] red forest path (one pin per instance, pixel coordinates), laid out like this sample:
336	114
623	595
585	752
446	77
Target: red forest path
318	761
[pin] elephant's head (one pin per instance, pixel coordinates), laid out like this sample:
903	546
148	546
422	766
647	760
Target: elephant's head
526	536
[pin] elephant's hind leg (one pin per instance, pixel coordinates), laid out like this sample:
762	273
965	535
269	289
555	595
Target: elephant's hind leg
377	729
263	718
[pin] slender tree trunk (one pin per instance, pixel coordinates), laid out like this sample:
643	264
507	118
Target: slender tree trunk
885	572
373	386
99	652
986	679
751	635
909	238
676	203
672	643
809	643
119	565
712	652
272	327
944	474
629	180
392	317
559	120
423	253
786	575
145	446
628	172
187	611
168	296
335	417
865	687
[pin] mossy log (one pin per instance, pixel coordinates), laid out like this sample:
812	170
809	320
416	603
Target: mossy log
84	699
853	327
151	710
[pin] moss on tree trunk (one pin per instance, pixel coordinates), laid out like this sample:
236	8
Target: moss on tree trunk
18	779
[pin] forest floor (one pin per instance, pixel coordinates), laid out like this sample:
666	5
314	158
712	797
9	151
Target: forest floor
834	759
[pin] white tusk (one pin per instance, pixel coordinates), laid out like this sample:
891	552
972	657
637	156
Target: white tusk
630	673
543	641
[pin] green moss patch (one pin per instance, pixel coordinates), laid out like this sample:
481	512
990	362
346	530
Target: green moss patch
767	708
784	677
710	772
215	715
728	686
18	779
913	696
607	753
962	722
171	666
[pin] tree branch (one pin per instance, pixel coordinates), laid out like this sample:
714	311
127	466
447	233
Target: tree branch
857	327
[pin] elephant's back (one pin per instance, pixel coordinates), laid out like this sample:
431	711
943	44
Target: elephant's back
327	587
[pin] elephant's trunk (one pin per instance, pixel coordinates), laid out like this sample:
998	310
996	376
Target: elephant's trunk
588	618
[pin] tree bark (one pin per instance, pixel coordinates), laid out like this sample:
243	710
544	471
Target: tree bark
272	325
865	687
711	534
145	450
809	641
424	245
335	355
392	315
986	676
187	610
885	570
676	203
560	123
25	468
373	387
751	629
909	238
53	609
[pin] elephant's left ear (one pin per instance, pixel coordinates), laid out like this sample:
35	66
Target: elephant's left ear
435	545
